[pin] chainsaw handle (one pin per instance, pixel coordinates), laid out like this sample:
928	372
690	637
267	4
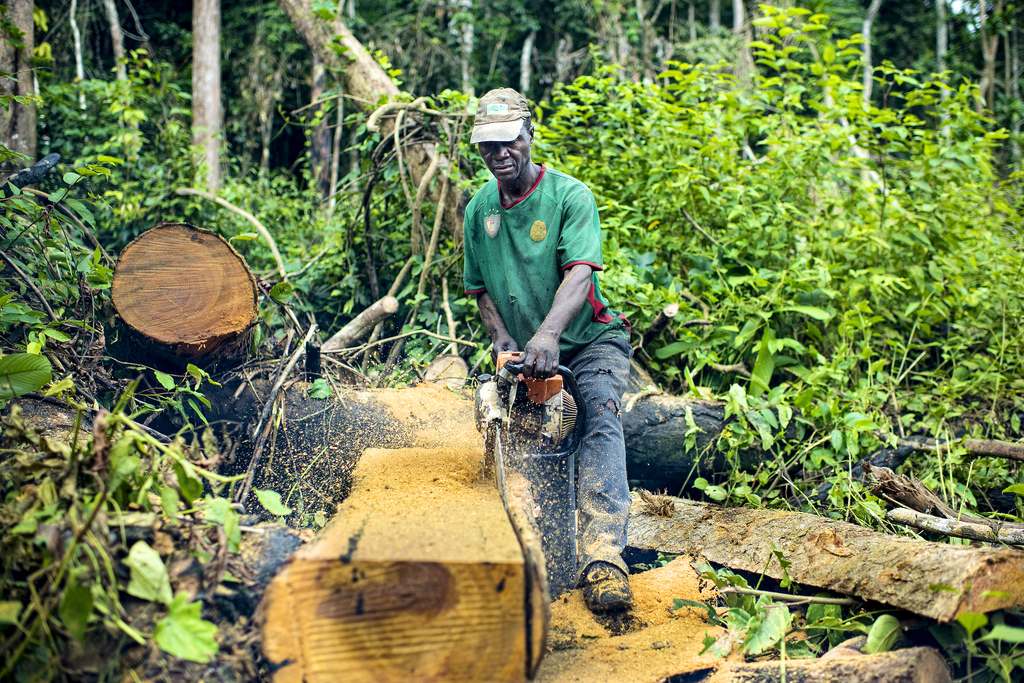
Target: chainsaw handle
516	368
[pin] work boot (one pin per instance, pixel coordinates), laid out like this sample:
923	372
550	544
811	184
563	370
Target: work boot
606	588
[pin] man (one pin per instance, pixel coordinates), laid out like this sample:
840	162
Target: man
532	249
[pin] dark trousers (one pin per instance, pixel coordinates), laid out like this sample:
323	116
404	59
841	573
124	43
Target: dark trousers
602	499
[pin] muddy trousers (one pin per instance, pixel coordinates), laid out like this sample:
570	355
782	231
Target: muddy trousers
602	499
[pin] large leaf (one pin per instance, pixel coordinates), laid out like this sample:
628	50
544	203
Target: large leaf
219	511
184	633
23	373
1005	634
766	629
75	608
883	634
149	579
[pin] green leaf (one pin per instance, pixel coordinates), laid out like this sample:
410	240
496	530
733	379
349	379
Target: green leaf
1016	489
811	312
766	629
70	178
169	501
183	633
319	389
1005	634
219	511
883	634
23	373
271	501
764	366
281	292
971	621
190	485
244	237
166	381
9	611
75	608
149	579
57	335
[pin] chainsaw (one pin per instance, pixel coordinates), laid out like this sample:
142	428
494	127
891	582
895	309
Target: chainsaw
532	429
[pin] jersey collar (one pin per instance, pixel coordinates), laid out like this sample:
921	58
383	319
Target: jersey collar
533	187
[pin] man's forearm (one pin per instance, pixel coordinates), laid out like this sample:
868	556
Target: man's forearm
568	300
492	321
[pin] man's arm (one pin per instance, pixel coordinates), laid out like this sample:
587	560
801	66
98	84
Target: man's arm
542	350
500	337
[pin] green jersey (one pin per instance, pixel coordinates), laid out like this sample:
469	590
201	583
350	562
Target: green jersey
517	254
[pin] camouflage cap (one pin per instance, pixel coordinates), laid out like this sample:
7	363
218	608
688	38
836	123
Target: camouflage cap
499	116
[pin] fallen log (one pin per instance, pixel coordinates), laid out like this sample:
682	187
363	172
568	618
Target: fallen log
962	528
184	295
975	447
418	577
931	579
910	665
360	326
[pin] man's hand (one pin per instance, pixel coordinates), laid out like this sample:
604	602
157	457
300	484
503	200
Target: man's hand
541	355
502	344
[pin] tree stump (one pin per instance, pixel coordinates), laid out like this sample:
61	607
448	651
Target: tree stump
185	295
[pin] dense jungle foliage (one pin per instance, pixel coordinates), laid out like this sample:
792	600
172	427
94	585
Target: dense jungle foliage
848	269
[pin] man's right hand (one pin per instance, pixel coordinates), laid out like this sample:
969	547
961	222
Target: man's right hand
502	344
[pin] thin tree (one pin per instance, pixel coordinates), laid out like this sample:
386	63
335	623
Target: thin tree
869	69
467	43
207	112
116	38
989	50
320	140
76	41
18	119
526	62
715	15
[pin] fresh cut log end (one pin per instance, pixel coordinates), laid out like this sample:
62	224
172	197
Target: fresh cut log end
419	577
184	291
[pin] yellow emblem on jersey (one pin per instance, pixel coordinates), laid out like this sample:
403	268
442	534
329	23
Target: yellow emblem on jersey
538	231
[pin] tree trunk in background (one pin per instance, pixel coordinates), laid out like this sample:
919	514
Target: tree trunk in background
18	123
744	61
715	17
526	63
467	42
1013	57
320	138
941	40
989	50
869	20
563	59
207	114
691	20
76	40
116	38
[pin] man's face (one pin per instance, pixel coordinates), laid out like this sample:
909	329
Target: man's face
508	160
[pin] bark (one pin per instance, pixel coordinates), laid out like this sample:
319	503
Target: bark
989	51
184	295
116	38
910	665
207	112
320	140
869	20
18	121
941	39
974	447
691	20
526	62
837	556
361	325
418	577
76	41
715	15
563	59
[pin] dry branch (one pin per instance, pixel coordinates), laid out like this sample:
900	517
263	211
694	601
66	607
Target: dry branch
359	326
960	528
931	579
975	447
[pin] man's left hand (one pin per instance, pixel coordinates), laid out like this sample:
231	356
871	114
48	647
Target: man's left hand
541	355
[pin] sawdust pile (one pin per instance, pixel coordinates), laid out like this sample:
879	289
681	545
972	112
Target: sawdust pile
434	415
655	644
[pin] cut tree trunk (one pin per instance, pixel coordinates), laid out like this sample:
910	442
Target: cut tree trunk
931	579
185	295
419	577
911	665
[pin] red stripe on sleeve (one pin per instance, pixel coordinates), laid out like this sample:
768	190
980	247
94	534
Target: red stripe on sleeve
593	266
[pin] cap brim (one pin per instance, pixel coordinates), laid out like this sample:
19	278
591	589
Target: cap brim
501	131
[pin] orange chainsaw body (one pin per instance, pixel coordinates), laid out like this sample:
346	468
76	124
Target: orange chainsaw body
537	390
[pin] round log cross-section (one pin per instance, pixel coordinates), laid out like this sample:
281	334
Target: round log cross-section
184	293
